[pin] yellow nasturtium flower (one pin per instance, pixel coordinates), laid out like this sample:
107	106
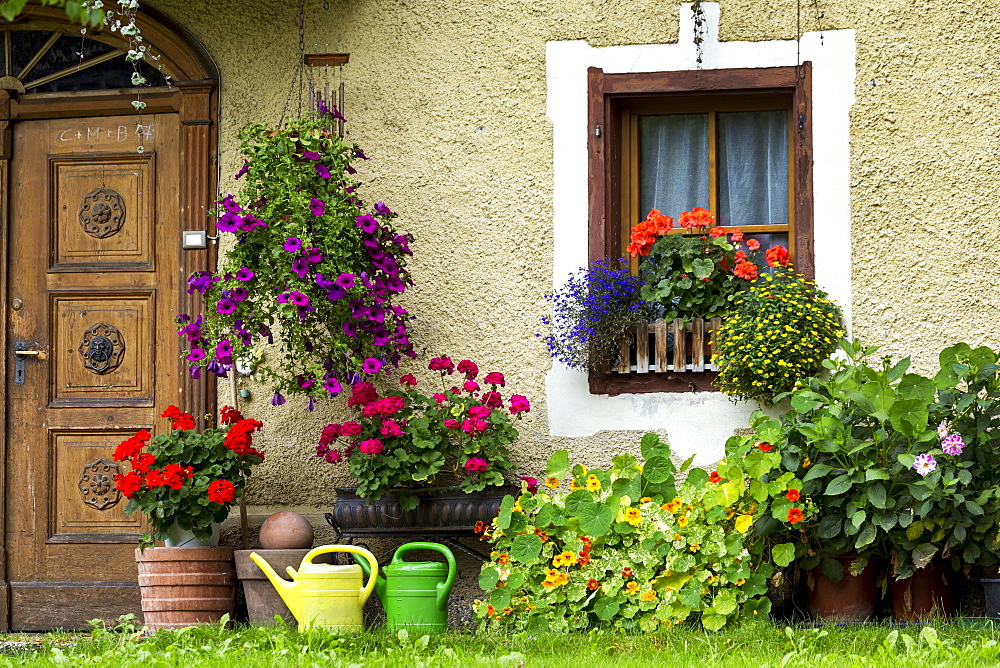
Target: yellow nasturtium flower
593	484
552	482
743	523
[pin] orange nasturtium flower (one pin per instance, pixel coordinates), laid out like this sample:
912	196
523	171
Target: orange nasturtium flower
795	515
541	534
503	559
593	584
764	446
714	477
563	559
792	495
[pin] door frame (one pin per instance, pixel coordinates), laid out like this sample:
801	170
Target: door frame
194	97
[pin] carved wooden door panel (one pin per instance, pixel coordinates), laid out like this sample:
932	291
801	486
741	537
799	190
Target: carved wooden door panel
94	282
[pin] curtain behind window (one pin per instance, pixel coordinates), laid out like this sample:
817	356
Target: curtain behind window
673	159
753	168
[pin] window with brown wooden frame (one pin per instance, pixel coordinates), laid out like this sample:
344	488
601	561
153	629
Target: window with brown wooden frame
737	142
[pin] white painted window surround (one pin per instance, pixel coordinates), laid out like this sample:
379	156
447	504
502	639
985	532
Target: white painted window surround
696	423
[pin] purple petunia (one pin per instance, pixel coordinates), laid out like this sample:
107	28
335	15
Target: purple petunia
322	170
196	355
195	371
345	281
300	267
367	223
311	155
324	282
317	207
923	464
229	204
332	385
335	293
292	244
239	294
229	222
277	399
226	306
298	298
243	170
313	255
244	274
382	210
371	365
249	221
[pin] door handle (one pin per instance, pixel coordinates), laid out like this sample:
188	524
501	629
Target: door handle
21	353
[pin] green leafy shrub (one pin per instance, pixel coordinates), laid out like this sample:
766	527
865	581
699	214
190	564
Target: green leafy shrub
778	332
897	465
631	547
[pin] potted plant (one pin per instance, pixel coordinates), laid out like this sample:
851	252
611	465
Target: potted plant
592	313
885	456
778	332
185	482
309	260
407	442
696	273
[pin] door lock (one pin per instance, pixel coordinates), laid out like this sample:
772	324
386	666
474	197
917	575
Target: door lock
21	353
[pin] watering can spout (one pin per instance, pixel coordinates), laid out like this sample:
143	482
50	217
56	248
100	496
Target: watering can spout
287	590
379	579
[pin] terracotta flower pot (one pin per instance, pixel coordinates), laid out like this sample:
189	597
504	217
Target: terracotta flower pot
184	586
923	595
853	599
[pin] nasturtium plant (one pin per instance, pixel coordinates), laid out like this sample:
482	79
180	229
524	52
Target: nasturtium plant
632	546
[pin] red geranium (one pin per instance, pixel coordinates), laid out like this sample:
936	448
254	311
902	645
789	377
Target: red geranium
221	491
777	255
230	415
746	270
128	484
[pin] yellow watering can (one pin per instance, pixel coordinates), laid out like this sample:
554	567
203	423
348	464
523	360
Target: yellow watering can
324	594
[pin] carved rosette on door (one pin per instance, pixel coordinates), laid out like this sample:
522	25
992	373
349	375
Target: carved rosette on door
96	484
103	348
102	213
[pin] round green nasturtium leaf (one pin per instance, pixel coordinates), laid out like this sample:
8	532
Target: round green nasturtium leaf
488	578
783	554
606	609
526	547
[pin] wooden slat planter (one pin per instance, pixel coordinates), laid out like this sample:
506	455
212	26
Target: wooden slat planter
675	347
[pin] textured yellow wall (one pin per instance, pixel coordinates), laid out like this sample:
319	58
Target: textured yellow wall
448	99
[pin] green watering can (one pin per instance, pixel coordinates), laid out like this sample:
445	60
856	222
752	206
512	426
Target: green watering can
415	594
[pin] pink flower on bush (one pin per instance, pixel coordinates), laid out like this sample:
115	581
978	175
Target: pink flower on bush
952	445
443	364
519	404
333	456
440	398
470	386
494	378
474	425
391	428
408	379
350	429
476	464
493	399
532	484
479	411
924	464
452	424
371	447
469	368
330	434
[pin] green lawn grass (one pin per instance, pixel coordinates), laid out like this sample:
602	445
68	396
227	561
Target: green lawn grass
752	645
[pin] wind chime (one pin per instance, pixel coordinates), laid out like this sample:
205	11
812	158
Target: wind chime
321	73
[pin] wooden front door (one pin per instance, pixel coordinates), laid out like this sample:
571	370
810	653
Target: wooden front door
94	281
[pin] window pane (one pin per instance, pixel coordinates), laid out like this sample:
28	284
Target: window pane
753	168
673	163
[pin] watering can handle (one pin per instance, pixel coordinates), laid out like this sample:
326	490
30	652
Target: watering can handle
443	588
365	591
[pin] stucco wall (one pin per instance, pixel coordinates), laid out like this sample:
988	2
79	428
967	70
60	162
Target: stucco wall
449	100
